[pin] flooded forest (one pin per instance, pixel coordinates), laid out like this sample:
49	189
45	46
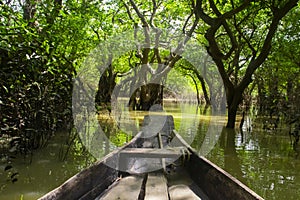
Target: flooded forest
78	77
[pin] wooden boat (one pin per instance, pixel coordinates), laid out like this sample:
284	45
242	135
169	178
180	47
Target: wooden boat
180	174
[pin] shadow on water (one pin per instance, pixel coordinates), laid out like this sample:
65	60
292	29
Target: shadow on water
231	159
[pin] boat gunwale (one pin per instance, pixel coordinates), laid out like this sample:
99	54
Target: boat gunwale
202	178
64	190
228	176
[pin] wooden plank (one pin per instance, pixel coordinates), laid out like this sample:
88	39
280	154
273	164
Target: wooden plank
163	162
181	186
152	153
179	192
156	187
127	188
147	155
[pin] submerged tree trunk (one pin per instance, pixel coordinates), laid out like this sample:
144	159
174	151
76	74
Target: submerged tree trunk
106	86
146	96
204	90
233	100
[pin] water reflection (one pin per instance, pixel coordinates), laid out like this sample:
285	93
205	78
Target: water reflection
46	171
263	160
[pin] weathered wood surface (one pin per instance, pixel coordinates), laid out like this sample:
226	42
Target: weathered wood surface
206	179
127	188
181	185
217	183
156	187
147	159
179	192
151	153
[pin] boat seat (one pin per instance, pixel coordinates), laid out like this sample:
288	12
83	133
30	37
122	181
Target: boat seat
161	154
170	152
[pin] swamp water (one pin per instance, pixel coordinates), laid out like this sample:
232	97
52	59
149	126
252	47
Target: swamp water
263	160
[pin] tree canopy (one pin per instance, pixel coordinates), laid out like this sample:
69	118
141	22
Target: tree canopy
43	44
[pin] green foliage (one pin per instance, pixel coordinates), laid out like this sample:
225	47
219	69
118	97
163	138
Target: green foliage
39	58
279	76
43	43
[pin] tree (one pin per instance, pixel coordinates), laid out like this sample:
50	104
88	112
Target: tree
239	37
150	60
42	45
278	77
190	70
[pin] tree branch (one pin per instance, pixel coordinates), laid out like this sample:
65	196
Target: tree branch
146	46
128	12
200	13
154	8
139	14
186	21
234	11
156	50
226	27
256	62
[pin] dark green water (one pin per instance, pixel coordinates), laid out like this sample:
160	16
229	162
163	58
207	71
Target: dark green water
263	160
45	172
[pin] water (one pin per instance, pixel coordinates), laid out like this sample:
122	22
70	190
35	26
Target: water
44	173
263	160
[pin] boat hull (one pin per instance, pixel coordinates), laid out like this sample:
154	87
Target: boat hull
207	181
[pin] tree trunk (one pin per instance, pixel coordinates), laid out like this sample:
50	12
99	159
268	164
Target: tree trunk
234	97
29	10
231	118
151	94
205	93
197	90
146	96
215	49
134	101
203	85
105	88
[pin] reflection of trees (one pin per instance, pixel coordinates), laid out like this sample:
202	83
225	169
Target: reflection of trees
111	134
202	128
109	128
231	160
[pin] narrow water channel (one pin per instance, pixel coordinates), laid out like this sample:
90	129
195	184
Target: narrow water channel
263	160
